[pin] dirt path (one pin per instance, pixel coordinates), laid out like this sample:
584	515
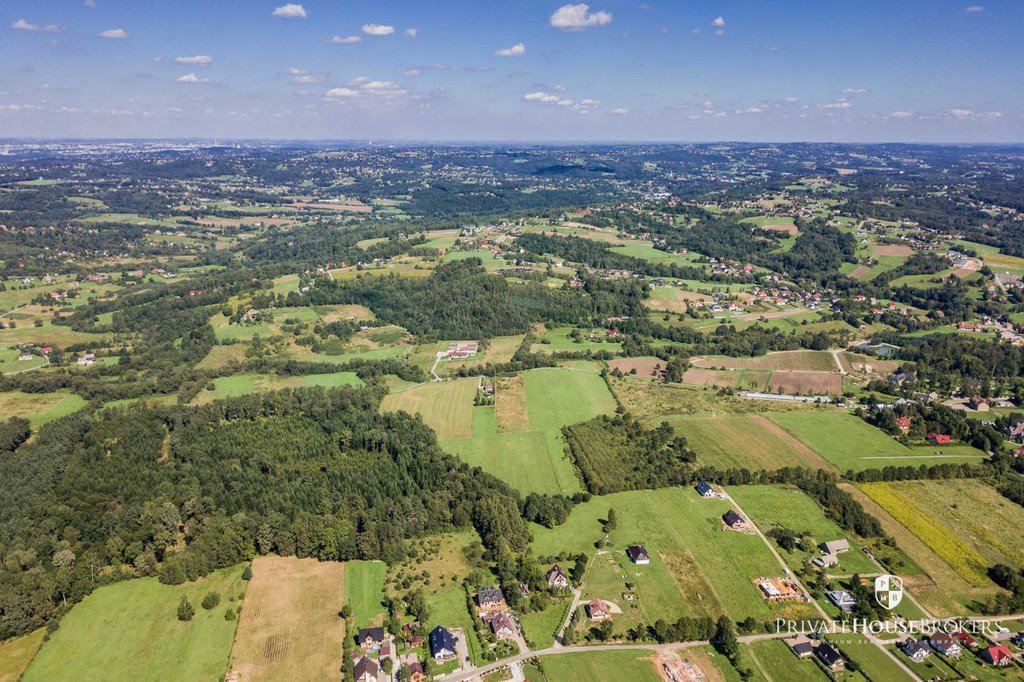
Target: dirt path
859	272
839	363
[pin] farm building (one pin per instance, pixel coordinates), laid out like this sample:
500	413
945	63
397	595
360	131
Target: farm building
491	599
779	589
705	490
638	555
978	404
835	546
828	655
557	578
87	359
597	610
460	351
442	644
916	650
826	561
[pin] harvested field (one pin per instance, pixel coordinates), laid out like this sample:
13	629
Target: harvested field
892	250
774	314
290	626
859	271
350	206
788	228
644	368
510	401
855	362
710	377
446	406
751	442
792	360
806	383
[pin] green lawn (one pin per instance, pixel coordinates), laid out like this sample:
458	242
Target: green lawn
364	590
778	663
870	658
786	507
600	666
531	455
130	631
696	567
646	251
850	443
448	607
245	384
540	627
561	342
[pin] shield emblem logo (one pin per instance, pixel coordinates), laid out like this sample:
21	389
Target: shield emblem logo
889	591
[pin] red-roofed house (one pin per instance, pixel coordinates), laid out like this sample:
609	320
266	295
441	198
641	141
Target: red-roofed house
903	422
939	439
999	655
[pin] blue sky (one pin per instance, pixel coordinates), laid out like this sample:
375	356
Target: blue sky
913	70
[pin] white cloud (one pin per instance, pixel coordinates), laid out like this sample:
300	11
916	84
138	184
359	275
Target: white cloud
750	110
340	93
22	25
718	21
411	32
619	112
200	59
517	50
974	9
578	17
791	100
115	33
961	113
541	97
308	78
346	40
290	11
841	103
901	114
91	4
378	30
854	91
191	78
412	73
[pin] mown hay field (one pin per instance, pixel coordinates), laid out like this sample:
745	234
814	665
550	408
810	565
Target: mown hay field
290	626
446	406
792	360
752	442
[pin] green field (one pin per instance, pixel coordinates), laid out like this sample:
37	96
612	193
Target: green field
446	406
870	658
224	331
600	666
39	408
749	441
129	631
786	507
520	441
364	590
778	663
245	384
540	627
696	566
448	607
646	251
850	443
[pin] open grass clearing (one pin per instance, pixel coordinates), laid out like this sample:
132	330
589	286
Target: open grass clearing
850	443
364	591
600	666
752	442
558	340
129	630
245	384
290	625
17	653
39	408
791	360
446	406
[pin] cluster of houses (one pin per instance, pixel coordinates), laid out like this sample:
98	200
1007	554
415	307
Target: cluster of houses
493	610
1008	331
805	647
830	553
952	646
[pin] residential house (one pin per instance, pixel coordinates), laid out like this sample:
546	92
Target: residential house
638	555
966	639
366	670
557	578
370	638
828	655
916	650
416	673
442	644
903	423
87	359
801	646
704	489
843	600
999	655
826	561
502	626
978	404
597	610
946	644
1016	431
491	599
734	520
939	439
